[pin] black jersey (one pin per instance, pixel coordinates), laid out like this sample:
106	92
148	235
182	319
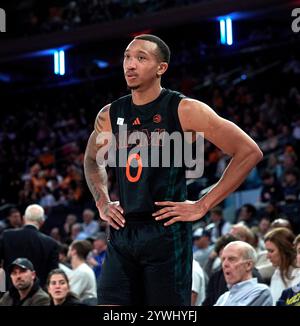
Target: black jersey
141	184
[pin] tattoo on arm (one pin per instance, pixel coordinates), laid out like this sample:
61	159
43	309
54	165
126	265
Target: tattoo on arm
96	176
100	120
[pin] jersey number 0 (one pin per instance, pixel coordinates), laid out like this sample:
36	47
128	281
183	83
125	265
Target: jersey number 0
139	170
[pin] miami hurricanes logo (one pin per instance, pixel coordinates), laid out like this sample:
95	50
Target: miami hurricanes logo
157	118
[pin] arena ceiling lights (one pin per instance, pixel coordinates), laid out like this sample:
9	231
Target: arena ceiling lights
226	31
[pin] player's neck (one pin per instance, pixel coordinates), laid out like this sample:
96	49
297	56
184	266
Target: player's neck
141	97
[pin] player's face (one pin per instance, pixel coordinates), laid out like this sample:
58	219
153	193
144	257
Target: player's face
141	64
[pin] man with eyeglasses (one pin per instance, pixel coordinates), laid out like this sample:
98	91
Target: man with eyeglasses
238	259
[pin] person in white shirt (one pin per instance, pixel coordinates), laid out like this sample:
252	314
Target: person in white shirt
198	284
282	254
82	278
238	259
2	281
202	246
291	296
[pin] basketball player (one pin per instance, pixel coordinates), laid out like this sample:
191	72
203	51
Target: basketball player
149	256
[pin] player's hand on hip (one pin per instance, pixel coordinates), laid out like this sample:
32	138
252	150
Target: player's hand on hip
112	213
186	211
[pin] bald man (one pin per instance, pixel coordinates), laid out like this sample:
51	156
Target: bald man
238	259
30	243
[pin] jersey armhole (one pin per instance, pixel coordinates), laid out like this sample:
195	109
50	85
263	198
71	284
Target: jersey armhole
174	103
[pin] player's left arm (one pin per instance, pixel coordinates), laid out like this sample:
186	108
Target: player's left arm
196	116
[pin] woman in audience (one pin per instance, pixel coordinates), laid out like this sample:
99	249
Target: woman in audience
282	254
59	289
291	296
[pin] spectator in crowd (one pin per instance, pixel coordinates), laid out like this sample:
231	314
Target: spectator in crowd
291	186
281	223
271	190
247	215
217	283
260	231
242	232
291	296
273	211
264	226
70	220
220	226
55	234
97	256
263	264
28	242
25	290
64	263
82	279
59	289
47	199
198	284
89	226
13	220
203	246
214	262
76	233
238	259
281	252
274	167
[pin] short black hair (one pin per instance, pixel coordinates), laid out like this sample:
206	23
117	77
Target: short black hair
267	174
163	49
82	247
13	211
217	210
250	208
63	249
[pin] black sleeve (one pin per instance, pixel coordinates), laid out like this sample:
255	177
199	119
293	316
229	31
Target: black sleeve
256	273
215	288
53	257
209	297
284	296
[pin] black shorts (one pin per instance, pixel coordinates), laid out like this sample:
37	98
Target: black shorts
147	264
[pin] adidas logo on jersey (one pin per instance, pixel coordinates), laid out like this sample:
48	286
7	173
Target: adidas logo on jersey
136	122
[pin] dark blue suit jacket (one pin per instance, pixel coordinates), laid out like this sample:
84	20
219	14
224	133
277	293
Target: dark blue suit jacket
30	243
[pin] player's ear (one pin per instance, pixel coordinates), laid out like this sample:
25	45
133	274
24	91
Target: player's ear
162	67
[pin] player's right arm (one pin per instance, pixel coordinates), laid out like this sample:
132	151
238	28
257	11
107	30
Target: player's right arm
96	175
